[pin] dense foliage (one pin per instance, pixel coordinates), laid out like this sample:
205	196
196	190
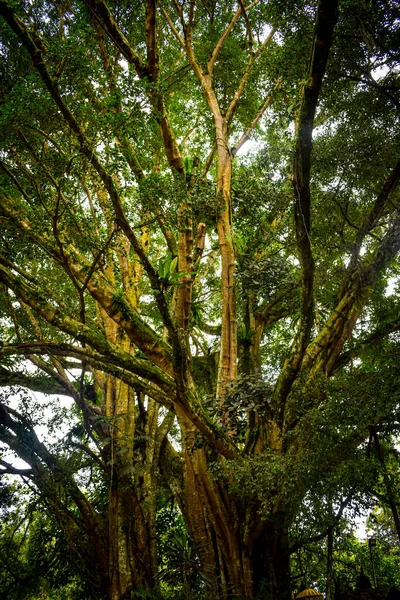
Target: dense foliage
225	322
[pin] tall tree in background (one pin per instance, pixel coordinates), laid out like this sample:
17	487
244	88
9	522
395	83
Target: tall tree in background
160	280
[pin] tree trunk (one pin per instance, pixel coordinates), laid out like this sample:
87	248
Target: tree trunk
131	543
228	356
242	555
132	546
271	566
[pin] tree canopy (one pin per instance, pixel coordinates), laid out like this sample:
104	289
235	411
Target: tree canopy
199	241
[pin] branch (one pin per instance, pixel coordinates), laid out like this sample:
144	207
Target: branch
124	361
173	28
382	88
369	342
256	119
151	70
326	20
226	34
36	383
108	353
13	470
358	287
100	11
49	474
209	161
321	536
92	455
377	211
248	26
200	242
207	328
242	83
152	65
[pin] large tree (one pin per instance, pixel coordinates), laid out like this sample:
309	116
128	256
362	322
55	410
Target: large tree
163	281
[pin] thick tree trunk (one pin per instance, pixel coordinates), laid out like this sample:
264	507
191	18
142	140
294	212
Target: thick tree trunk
132	545
242	555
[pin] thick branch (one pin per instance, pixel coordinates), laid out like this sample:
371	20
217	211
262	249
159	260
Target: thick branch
7	468
367	343
100	11
36	383
111	355
324	352
377	211
326	19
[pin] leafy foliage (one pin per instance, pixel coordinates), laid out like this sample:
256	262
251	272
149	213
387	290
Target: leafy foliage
224	322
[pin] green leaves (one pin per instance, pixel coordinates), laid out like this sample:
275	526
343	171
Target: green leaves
167	267
188	162
167	271
244	334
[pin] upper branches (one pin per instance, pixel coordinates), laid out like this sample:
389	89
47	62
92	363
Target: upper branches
205	75
326	19
101	13
85	146
146	71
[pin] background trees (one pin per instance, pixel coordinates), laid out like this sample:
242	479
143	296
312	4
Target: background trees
175	291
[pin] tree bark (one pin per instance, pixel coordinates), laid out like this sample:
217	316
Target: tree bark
227	372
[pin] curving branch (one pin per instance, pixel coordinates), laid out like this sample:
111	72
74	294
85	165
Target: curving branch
7	468
323	354
377	211
120	364
369	342
36	383
121	220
